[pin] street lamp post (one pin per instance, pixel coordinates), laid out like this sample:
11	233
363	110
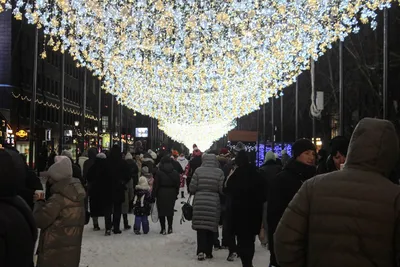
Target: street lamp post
76	123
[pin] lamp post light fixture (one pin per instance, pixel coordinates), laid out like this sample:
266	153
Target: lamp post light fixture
76	123
104	130
115	134
95	128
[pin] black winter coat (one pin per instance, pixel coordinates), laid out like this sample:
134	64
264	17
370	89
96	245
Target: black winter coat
194	163
18	233
138	209
32	183
120	176
166	189
245	196
269	171
133	171
177	166
100	185
282	190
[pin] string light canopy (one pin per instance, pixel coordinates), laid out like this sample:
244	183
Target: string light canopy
195	61
203	135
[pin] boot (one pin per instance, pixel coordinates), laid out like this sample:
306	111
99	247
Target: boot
96	227
108	233
201	256
232	256
163	232
170	230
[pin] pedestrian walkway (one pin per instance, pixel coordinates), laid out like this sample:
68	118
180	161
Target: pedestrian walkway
175	250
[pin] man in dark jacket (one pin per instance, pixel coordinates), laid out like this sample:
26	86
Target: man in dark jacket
286	184
269	170
119	172
244	189
350	217
18	231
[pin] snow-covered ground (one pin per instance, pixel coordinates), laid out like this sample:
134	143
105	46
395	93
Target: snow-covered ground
175	250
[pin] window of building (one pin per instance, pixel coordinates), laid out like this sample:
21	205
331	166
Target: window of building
104	122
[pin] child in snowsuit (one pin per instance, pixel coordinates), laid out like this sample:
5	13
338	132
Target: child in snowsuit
141	206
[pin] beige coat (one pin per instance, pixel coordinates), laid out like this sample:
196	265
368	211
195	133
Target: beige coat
61	220
347	218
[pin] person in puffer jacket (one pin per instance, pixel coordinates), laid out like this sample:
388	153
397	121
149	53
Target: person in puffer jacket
61	218
206	185
349	217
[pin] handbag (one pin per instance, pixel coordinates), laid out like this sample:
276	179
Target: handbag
154	212
187	210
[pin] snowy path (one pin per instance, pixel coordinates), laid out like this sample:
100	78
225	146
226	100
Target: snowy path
175	250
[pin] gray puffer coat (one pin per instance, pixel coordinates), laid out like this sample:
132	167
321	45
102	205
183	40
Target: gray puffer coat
207	185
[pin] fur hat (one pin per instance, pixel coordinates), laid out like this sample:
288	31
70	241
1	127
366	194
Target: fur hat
147	157
152	154
269	156
302	145
146	172
128	156
66	153
143	184
101	156
61	169
239	147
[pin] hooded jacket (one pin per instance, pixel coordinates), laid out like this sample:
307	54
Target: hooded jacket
207	185
350	217
61	219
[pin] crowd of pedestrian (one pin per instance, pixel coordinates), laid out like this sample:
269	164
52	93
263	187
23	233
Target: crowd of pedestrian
326	208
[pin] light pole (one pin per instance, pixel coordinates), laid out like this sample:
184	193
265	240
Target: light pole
76	123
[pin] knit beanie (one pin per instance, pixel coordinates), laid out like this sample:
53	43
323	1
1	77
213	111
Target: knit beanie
128	156
224	151
302	145
61	169
270	156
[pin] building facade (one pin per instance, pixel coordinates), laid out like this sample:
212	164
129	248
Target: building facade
87	109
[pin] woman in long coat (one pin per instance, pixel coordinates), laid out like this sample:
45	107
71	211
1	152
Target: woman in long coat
206	185
99	182
166	190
